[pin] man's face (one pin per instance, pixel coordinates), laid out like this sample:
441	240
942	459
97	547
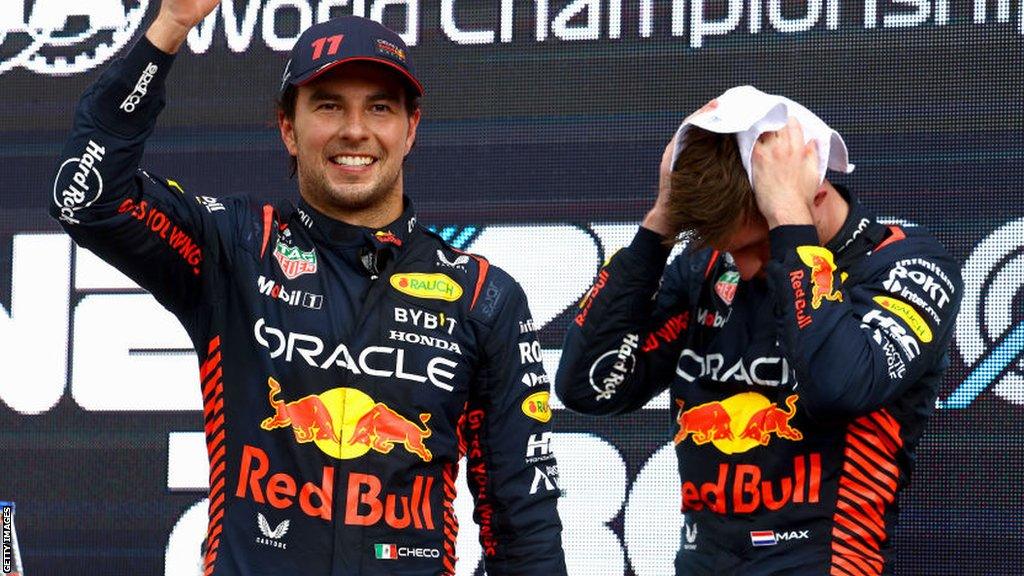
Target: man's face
350	134
749	247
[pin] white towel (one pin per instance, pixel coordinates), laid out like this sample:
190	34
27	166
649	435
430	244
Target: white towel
747	112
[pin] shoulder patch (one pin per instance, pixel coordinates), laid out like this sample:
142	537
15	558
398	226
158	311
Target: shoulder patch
908	314
493	287
896	234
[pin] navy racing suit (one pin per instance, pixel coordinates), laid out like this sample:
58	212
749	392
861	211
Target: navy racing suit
798	397
345	371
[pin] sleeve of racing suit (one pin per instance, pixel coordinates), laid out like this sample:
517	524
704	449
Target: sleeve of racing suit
620	350
145	226
857	348
511	470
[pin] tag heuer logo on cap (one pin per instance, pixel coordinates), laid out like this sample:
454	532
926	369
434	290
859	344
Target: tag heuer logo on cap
295	262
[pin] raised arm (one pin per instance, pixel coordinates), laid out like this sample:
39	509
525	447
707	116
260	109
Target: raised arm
145	225
621	348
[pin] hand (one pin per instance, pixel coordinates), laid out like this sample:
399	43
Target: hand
175	19
785	174
659	218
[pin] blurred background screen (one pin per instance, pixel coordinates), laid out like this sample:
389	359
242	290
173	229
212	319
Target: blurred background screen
543	124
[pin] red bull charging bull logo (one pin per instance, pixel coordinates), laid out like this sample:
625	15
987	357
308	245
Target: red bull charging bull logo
346	423
823	274
381	428
738	423
308	417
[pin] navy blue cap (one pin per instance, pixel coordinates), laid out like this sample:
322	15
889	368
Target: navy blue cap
347	39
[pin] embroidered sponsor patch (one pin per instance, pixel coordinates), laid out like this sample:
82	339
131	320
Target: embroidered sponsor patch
823	269
536	406
295	262
429	286
726	286
907	313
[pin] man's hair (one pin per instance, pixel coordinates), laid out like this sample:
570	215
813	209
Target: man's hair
710	194
286	105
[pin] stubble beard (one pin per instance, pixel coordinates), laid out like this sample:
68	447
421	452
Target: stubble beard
314	185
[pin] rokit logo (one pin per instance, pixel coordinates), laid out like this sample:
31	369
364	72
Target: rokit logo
990	326
61	37
529	353
928	277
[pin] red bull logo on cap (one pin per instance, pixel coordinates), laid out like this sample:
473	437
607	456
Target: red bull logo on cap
738	423
823	274
346	423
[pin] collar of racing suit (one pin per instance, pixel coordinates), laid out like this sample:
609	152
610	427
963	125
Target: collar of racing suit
368	249
860	232
393	236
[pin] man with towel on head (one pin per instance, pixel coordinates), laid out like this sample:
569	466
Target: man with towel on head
802	341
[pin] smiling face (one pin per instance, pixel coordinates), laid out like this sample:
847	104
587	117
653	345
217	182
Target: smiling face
350	133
